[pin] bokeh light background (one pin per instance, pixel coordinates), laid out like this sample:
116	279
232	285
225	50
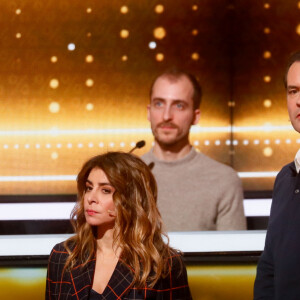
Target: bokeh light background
75	78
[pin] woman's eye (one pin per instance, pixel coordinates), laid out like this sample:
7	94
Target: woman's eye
88	188
106	191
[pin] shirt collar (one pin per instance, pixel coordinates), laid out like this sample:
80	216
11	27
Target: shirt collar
297	161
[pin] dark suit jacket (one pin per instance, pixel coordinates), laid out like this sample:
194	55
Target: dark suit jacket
77	283
278	270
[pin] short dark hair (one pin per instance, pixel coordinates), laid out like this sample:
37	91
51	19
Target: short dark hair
294	57
175	73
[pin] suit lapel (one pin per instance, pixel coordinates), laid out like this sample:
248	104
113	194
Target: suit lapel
82	278
119	282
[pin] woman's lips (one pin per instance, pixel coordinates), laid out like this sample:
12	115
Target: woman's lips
90	212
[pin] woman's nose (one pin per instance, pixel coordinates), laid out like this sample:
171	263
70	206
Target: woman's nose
91	197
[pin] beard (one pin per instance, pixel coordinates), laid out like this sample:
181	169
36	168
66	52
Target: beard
168	139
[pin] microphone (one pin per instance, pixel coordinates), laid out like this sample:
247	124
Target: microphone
138	145
151	165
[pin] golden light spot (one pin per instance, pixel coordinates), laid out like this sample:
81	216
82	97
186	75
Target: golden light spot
159	57
299	4
159	8
159	33
267	30
88	10
231	104
53	59
195	7
195	56
124	58
124	9
267	6
267	54
267	103
298	29
267	78
18	11
54	83
18	35
195	32
268	151
89	82
89	58
89	106
124	33
54	155
54	107
88	34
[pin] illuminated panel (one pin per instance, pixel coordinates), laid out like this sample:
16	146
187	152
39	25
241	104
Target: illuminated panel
258	91
62	211
77	86
185	241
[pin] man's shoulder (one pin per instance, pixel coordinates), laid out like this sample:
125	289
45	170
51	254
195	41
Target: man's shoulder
286	172
147	157
288	168
215	165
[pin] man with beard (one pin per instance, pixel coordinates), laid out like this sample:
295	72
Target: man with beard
194	191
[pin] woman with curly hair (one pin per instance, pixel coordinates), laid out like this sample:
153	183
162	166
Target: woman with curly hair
118	251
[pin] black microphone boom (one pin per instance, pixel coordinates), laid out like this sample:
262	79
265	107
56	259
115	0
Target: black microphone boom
138	145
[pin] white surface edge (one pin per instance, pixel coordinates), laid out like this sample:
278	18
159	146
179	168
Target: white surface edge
188	242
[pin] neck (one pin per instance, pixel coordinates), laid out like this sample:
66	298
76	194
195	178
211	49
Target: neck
105	239
171	152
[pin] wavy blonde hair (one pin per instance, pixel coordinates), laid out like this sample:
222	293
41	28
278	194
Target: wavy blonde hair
138	224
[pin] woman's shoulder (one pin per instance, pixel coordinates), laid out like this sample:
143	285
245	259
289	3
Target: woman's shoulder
174	260
59	252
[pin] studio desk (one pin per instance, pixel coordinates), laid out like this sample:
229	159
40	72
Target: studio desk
220	265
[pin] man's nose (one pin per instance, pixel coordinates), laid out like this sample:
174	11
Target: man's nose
298	100
167	113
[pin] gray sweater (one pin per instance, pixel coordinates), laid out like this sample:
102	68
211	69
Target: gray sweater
198	193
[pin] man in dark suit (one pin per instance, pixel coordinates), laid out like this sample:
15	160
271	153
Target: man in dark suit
278	270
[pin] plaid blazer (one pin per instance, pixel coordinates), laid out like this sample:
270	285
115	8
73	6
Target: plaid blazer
77	283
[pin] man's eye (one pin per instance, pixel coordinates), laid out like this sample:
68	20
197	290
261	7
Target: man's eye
292	92
158	104
180	106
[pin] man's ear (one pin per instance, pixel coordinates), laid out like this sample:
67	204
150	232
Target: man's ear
196	116
148	112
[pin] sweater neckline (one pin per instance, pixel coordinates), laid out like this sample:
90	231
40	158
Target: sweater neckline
189	157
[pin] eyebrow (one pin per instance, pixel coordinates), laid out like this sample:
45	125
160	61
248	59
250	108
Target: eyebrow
100	183
173	100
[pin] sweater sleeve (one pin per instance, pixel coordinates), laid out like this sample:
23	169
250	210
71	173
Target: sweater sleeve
231	214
